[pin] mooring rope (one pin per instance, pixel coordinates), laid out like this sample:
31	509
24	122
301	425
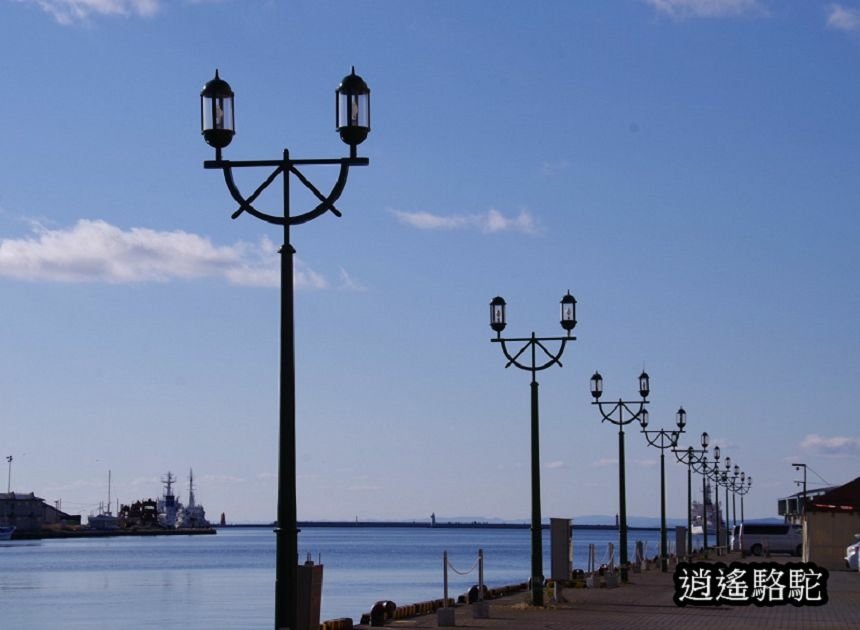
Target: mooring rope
474	566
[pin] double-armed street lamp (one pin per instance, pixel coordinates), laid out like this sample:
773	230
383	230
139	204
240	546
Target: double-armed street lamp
744	490
701	467
712	472
352	120
798	467
737	482
527	358
690	457
627	411
663	439
719	477
724	479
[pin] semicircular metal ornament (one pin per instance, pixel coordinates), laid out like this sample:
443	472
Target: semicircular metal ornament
326	202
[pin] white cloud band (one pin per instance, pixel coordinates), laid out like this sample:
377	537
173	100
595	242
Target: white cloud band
71	11
95	251
488	222
836	446
681	9
842	18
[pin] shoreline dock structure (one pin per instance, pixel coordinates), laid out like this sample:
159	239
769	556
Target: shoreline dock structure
601	573
644	602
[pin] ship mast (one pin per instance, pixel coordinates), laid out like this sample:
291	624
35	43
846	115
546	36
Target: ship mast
169	483
190	487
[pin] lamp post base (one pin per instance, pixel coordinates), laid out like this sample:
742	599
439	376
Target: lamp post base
536	585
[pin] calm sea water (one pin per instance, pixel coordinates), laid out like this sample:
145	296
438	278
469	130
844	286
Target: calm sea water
226	581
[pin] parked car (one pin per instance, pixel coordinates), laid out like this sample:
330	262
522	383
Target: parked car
851	554
760	538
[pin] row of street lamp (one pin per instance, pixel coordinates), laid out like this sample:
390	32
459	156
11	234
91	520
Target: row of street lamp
534	356
352	122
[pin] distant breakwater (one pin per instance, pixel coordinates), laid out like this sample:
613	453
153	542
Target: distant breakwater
41	534
425	525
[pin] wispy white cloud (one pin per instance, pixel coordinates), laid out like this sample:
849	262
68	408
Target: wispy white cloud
348	283
489	222
72	11
645	463
556	465
95	251
837	446
221	479
551	169
843	18
606	461
683	9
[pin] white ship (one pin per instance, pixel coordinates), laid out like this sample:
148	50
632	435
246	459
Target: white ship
172	513
191	515
707	512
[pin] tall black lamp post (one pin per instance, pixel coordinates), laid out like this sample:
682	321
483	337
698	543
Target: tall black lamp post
744	490
526	358
217	119
735	481
716	475
797	483
725	480
627	411
663	439
690	457
701	467
712	473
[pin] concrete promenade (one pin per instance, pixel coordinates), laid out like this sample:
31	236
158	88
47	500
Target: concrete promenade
646	602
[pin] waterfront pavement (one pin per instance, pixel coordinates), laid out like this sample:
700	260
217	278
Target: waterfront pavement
646	602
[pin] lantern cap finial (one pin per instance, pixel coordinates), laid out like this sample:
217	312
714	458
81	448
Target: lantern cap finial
217	88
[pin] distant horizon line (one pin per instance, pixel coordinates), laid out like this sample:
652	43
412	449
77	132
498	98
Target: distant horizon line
595	522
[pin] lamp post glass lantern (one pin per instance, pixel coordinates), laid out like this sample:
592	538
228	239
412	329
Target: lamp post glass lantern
627	412
644	384
497	314
217	120
596	385
352	110
527	358
568	312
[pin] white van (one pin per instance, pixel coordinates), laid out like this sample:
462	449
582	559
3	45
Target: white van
760	538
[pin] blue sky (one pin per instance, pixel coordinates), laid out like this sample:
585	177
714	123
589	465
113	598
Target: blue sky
686	168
